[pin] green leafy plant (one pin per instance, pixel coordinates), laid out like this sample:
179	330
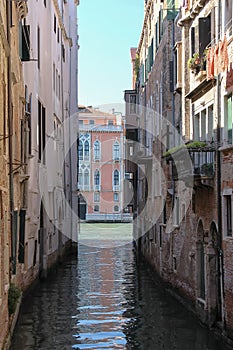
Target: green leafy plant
197	62
207	169
194	144
194	62
137	66
13	296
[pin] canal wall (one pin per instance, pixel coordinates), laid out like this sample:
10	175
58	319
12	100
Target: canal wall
68	248
179	293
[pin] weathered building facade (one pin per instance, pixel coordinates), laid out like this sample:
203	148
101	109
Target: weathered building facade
38	103
11	160
184	163
50	76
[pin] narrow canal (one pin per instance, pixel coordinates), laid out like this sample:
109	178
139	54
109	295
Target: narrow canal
106	301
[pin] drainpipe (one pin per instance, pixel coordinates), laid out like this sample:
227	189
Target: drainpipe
10	133
219	197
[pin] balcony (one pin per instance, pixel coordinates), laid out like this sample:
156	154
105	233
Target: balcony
197	167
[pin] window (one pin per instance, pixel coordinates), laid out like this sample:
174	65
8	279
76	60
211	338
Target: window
116	197
96	208
86	150
227	18
41	132
110	122
228	118
80	122
201	35
96	196
116	151
91	122
204	27
63	53
210	127
24	42
97	180
22	215
174	263
116	208
58	35
55	24
116	180
228	215
45	3
80	150
97	150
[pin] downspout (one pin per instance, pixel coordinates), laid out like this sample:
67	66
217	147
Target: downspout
219	197
10	134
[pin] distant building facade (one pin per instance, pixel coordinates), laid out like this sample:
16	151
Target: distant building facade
101	166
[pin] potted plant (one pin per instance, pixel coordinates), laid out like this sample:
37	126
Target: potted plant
194	63
207	169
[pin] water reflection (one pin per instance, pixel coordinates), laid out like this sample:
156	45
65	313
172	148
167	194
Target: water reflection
104	302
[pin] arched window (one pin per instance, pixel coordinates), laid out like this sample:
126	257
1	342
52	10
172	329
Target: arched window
97	150
116	180
86	180
80	150
86	150
97	178
116	151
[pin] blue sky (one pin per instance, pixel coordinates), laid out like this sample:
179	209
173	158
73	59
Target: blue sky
107	30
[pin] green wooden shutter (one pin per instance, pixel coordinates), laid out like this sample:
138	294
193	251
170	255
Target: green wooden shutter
14	240
22	215
172	11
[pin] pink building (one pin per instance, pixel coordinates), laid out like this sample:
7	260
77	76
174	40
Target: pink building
101	166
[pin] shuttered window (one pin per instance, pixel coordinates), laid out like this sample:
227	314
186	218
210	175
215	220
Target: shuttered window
22	215
204	33
24	42
14	241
